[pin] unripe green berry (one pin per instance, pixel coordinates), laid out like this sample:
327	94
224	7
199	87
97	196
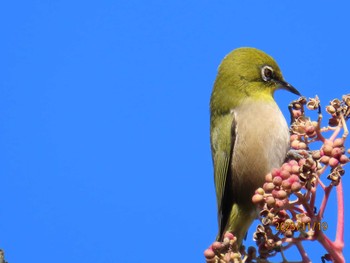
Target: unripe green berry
260	191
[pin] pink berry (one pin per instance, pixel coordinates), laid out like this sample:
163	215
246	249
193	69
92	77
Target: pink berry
302	162
339	142
333	162
275	193
327	150
257	198
209	253
295	144
268	177
336	152
310	130
293	162
275	172
270	201
302	146
296	186
285	174
293	178
277	181
286	185
343	159
316	155
286	167
294	137
229	235
279	203
295	169
324	159
217	245
268	187
281	194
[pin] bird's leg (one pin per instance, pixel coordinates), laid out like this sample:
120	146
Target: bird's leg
293	154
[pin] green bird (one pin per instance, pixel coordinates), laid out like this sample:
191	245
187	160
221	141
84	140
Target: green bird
248	133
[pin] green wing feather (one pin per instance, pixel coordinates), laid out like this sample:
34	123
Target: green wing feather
222	142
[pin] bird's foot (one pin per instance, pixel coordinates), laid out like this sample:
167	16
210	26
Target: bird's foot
297	154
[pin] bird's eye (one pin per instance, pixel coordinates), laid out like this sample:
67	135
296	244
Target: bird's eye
266	73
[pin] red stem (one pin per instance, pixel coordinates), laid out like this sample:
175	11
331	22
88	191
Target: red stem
336	254
339	239
324	201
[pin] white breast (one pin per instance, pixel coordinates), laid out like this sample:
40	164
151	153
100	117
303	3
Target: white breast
262	141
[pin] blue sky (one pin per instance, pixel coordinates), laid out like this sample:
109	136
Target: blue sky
104	116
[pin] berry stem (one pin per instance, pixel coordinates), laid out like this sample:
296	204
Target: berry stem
327	191
339	239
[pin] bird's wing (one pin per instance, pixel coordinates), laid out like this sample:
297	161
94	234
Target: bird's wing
223	135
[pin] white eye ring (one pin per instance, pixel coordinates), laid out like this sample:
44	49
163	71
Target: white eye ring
266	73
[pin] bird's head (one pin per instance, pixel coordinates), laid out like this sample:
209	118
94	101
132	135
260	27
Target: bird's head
246	73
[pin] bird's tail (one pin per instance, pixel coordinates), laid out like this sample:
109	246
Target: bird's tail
238	222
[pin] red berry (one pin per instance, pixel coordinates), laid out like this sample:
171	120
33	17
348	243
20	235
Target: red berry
286	185
343	159
275	172
285	174
277	181
209	253
217	245
229	235
333	162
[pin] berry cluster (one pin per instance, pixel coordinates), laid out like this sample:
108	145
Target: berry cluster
287	199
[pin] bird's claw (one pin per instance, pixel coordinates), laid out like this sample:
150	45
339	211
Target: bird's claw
297	154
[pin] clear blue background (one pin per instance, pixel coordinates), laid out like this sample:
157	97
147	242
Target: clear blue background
104	118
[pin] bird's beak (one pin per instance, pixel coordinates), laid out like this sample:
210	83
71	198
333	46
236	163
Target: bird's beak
285	85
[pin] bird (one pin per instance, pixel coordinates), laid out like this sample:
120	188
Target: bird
249	135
